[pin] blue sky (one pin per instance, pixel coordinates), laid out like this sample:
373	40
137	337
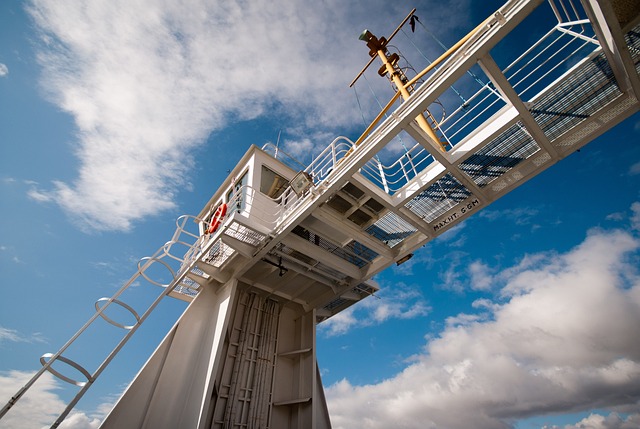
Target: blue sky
118	117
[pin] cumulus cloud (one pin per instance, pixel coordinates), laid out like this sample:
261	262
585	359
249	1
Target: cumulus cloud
4	70
300	149
40	406
562	337
634	219
598	421
453	274
146	82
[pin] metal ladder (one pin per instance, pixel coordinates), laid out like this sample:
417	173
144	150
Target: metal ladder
186	279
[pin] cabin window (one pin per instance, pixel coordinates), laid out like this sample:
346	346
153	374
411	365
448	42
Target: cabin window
237	193
271	183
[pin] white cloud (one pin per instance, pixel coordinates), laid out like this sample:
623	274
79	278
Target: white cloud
341	323
40	406
454	235
9	335
40	196
4	70
562	338
635	216
13	258
80	421
458	276
634	169
616	217
463	320
403	303
481	278
301	150
12	335
520	216
598	421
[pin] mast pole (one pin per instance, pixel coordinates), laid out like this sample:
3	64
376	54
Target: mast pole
390	68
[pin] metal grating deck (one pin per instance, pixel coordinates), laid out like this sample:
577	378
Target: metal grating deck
391	229
576	98
443	195
501	155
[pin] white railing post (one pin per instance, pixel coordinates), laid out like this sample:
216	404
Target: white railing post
383	178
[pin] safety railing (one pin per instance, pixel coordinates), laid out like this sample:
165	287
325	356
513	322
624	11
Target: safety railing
249	218
469	115
391	178
318	170
569	41
324	163
284	157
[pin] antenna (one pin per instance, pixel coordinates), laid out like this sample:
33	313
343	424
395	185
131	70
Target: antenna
277	144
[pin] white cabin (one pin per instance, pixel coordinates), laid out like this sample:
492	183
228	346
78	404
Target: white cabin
316	264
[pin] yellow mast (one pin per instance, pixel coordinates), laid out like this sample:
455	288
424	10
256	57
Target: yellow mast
390	68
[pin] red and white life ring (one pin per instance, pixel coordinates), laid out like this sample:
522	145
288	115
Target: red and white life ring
217	218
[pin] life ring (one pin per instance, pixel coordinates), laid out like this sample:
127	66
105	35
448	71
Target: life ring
217	218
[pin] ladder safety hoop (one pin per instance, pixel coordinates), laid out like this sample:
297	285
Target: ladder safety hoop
181	225
142	272
167	249
121	304
217	218
43	361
